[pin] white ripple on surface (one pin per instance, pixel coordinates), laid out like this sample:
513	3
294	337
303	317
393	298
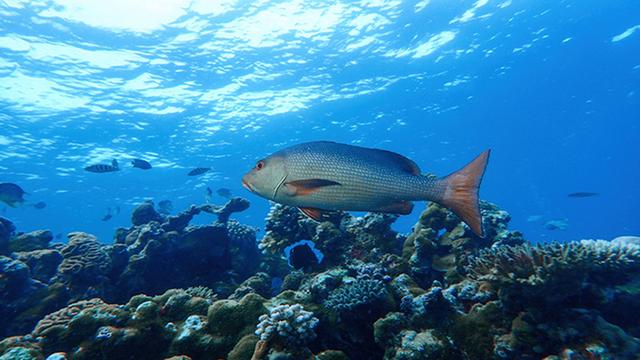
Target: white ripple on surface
625	34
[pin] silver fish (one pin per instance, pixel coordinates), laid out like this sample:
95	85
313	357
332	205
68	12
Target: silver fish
323	176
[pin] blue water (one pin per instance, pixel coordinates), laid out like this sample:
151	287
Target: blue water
552	87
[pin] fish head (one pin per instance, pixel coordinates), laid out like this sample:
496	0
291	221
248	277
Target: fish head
266	177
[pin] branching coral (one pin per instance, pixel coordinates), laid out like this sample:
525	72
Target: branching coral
552	274
360	292
537	264
289	324
285	225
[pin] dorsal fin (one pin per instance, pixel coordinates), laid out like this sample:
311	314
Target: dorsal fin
405	163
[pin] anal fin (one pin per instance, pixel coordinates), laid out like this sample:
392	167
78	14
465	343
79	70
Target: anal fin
313	213
399	207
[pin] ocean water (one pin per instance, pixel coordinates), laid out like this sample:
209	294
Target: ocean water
552	87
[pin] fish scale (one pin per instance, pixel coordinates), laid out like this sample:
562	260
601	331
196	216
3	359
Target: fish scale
367	184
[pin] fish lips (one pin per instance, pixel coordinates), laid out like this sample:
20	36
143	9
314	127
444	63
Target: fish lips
247	185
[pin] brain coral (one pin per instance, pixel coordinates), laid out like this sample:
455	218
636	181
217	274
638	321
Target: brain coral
83	257
60	319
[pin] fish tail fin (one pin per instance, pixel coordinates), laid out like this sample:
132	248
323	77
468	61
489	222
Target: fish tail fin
460	192
114	163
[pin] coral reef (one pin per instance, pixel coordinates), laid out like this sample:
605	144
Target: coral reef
6	232
168	289
34	240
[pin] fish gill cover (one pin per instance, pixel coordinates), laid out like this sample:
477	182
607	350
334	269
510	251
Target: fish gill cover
99	259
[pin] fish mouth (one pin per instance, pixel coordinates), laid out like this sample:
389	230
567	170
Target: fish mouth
247	186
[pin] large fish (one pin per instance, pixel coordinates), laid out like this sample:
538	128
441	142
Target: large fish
11	194
323	176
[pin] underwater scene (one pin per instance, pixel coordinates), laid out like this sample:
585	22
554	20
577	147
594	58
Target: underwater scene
319	180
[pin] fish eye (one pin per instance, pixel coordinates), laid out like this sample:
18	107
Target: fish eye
260	165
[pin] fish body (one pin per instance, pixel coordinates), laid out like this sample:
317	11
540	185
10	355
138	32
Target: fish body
103	168
141	164
11	194
557	224
582	194
198	171
302	256
323	176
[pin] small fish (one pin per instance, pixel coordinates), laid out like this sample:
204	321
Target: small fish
141	164
302	256
208	195
198	171
224	192
582	194
557	224
108	215
165	207
40	205
103	168
11	194
58	236
322	176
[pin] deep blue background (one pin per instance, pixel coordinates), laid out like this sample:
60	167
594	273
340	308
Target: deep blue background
560	117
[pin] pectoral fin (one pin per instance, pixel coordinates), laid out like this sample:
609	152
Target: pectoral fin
313	213
307	186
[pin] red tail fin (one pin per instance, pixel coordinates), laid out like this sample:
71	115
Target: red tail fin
461	194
